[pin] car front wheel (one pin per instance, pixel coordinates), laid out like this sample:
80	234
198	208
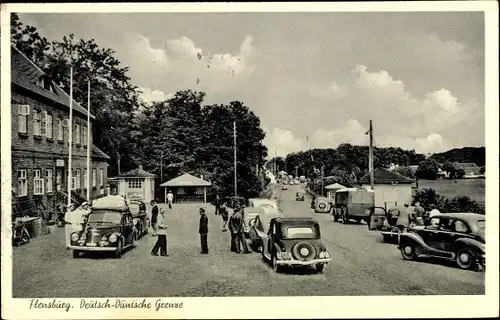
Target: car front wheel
119	250
465	258
276	266
408	251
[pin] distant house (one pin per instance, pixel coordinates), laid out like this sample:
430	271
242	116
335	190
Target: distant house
137	183
470	168
390	188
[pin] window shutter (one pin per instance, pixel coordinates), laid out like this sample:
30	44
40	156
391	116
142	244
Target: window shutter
43	123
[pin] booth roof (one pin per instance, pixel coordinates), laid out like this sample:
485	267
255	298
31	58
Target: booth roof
186	180
138	173
334	186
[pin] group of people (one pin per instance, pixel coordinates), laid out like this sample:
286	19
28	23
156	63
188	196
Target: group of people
75	219
409	216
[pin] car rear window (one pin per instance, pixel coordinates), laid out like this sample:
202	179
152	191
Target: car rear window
299	232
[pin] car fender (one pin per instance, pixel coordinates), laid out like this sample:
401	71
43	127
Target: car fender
469	242
410	236
277	247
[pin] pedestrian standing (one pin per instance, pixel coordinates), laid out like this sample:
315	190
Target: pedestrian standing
70	218
170	199
225	216
241	235
234	228
419	214
154	216
404	217
161	242
217	204
203	230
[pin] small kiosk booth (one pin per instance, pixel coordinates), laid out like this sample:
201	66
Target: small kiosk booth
137	183
187	188
331	191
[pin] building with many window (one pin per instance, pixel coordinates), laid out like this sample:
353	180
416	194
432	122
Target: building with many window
40	123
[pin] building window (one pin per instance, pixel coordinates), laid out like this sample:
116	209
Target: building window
77	134
37	182
58	177
135	183
78	178
94	178
23	182
43	123
84	135
101	177
48	125
23	111
73	179
36	123
60	130
85	184
49	180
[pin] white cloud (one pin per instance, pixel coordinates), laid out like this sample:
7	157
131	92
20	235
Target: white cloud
149	95
281	142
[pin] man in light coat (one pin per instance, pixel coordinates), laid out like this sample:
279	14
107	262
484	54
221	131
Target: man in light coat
161	242
170	199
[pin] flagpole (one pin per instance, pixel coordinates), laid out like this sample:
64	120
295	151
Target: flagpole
370	164
235	162
89	146
70	133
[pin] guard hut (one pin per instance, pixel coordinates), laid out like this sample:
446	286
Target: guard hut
187	188
332	188
137	183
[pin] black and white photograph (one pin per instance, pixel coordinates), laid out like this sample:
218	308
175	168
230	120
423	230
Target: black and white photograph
156	154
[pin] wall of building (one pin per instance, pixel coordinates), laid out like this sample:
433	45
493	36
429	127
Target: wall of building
388	195
30	152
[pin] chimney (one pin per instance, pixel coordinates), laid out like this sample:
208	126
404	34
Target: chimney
201	177
140	167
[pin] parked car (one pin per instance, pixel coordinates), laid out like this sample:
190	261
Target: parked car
321	204
300	196
353	203
140	218
258	228
453	236
232	202
294	241
284	187
109	228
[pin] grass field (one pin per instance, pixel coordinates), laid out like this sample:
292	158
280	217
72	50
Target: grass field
474	188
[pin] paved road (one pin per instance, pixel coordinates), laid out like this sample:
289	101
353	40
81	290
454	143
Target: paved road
362	265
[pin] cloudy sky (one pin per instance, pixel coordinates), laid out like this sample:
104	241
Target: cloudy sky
418	76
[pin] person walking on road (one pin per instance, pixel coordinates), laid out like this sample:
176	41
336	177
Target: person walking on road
234	227
225	216
217	204
154	216
170	199
161	242
404	218
203	231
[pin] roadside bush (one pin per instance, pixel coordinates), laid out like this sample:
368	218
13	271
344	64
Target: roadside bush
428	197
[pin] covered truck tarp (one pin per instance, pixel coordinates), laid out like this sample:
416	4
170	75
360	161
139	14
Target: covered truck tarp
111	202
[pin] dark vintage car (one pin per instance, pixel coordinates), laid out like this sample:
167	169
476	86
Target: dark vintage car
109	228
259	225
294	241
453	236
140	218
322	205
385	222
300	196
233	202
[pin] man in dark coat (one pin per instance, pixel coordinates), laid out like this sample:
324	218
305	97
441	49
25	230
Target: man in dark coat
217	204
234	226
154	216
203	231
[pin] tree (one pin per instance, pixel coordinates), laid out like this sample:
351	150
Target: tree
405	171
427	169
428	197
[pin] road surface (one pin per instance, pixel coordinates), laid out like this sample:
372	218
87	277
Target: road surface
361	265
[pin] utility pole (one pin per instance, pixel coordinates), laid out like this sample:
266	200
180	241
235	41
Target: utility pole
89	145
161	166
370	157
296	171
235	162
322	180
70	134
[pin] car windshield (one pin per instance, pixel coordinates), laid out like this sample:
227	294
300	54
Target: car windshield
105	217
299	232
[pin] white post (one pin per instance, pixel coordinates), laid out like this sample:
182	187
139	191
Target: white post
165	194
204	194
235	162
89	146
370	164
70	133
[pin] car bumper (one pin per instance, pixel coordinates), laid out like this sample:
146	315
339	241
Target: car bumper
85	248
303	263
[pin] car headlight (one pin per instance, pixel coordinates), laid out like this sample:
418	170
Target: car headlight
113	238
75	237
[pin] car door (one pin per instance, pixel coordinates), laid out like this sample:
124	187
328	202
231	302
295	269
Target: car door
436	237
253	224
377	217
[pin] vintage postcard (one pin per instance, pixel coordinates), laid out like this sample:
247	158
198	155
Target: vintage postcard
249	160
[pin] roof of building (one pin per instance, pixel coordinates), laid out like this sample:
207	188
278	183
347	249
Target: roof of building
186	180
25	73
384	176
98	153
334	186
138	172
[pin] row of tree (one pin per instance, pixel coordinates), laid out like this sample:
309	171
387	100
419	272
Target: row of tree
170	137
428	197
